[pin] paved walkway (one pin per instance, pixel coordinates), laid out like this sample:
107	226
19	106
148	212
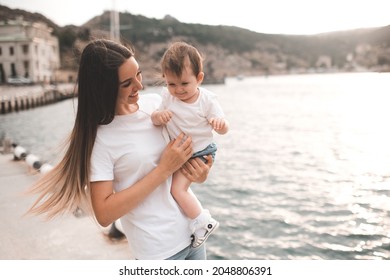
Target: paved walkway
32	238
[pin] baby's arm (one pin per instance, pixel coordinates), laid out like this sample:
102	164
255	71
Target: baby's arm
161	117
221	126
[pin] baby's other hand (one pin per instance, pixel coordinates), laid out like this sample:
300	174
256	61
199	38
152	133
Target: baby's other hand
219	125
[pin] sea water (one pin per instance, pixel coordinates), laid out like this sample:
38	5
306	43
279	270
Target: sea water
304	172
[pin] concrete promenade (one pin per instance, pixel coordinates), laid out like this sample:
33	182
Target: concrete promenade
33	238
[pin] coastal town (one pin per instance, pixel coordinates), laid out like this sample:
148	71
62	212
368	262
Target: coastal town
30	74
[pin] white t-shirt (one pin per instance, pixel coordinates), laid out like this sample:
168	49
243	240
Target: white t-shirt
125	151
192	118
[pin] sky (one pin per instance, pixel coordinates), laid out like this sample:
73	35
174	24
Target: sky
300	17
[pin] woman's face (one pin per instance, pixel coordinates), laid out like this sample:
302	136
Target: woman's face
130	82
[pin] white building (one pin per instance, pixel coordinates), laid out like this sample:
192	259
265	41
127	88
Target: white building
28	49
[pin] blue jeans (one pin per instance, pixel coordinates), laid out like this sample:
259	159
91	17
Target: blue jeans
209	150
190	253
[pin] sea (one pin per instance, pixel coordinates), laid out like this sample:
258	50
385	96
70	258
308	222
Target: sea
303	173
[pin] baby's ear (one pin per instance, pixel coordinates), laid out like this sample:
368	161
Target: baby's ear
200	77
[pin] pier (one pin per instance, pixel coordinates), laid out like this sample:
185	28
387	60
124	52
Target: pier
18	98
69	237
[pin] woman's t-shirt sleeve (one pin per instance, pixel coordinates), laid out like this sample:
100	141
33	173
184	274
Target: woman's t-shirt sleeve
102	168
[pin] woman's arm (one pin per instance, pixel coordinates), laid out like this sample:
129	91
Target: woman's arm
109	206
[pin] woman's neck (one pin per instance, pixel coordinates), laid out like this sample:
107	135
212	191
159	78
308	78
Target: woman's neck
127	109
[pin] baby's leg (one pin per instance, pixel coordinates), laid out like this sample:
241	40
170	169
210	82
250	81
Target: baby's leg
201	224
183	195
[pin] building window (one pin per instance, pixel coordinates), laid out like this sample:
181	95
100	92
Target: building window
1	51
25	49
13	70
26	65
2	74
11	50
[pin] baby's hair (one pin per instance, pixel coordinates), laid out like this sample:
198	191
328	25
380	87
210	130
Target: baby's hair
175	58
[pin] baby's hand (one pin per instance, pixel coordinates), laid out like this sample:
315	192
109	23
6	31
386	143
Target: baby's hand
163	117
219	125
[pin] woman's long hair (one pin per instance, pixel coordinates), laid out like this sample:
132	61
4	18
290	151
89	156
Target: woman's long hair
67	186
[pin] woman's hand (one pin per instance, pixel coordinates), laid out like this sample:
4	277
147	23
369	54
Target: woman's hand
196	170
176	153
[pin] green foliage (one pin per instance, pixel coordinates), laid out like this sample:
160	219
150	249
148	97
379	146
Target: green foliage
67	36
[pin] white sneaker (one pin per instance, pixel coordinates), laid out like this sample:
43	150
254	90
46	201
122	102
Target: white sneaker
199	240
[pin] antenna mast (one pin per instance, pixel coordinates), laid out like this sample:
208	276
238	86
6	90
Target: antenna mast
114	23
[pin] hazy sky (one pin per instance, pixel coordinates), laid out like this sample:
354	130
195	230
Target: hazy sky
264	16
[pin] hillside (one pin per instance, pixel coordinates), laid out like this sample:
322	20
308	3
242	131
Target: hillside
229	51
232	51
7	14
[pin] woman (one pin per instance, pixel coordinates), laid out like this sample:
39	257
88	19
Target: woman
118	163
